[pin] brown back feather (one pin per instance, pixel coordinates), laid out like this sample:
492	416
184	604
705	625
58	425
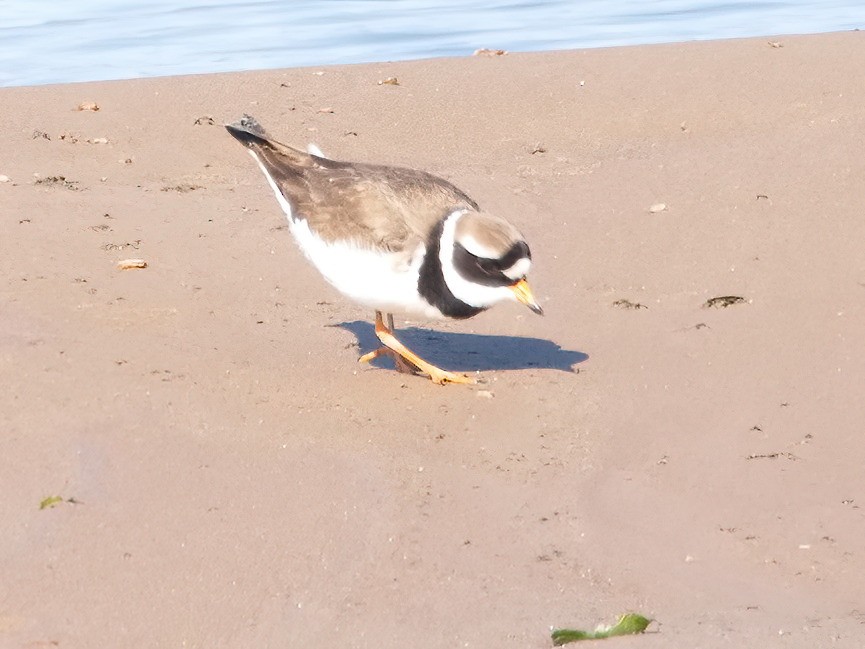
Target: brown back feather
390	208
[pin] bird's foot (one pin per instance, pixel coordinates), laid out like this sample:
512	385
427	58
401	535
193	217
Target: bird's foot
440	376
402	365
405	359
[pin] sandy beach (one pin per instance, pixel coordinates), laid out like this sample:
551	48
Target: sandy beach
229	476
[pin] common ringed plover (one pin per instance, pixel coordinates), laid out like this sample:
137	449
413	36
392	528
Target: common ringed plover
394	240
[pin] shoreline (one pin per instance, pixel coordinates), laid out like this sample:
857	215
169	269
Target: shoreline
455	57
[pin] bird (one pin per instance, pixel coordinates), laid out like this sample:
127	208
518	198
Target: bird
393	239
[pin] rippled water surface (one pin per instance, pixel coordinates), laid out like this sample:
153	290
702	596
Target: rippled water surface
45	41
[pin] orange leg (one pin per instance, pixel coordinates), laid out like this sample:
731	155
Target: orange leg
407	360
402	365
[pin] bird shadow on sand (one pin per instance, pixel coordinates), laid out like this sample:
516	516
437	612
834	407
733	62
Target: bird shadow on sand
469	352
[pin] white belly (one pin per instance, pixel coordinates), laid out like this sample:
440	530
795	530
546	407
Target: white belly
381	281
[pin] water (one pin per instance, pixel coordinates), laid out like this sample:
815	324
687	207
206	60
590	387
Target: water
44	41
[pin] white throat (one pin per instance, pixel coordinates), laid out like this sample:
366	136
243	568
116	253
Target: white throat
476	295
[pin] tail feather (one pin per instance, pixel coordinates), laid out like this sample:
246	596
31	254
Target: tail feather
312	149
248	131
252	135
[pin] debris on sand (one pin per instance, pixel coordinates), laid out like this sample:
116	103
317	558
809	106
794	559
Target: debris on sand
57	181
390	81
50	501
772	456
181	188
128	264
628	624
723	301
627	304
488	52
92	106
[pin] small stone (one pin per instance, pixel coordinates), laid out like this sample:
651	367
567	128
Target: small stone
88	105
658	207
98	140
4	178
390	81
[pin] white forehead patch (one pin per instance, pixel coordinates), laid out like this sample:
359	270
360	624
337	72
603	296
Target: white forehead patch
519	269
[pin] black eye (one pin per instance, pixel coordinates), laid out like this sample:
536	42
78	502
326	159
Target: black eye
520	250
480	270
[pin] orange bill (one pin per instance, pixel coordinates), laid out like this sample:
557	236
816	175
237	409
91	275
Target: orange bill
524	294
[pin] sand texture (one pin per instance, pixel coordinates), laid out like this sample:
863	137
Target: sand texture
231	477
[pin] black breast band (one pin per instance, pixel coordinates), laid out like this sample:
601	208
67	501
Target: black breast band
431	282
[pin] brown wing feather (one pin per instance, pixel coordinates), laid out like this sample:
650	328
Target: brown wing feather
384	207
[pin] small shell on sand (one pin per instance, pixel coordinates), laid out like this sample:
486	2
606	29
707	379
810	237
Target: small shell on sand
127	264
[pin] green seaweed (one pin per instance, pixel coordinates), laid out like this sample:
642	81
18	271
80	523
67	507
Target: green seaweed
50	501
628	624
